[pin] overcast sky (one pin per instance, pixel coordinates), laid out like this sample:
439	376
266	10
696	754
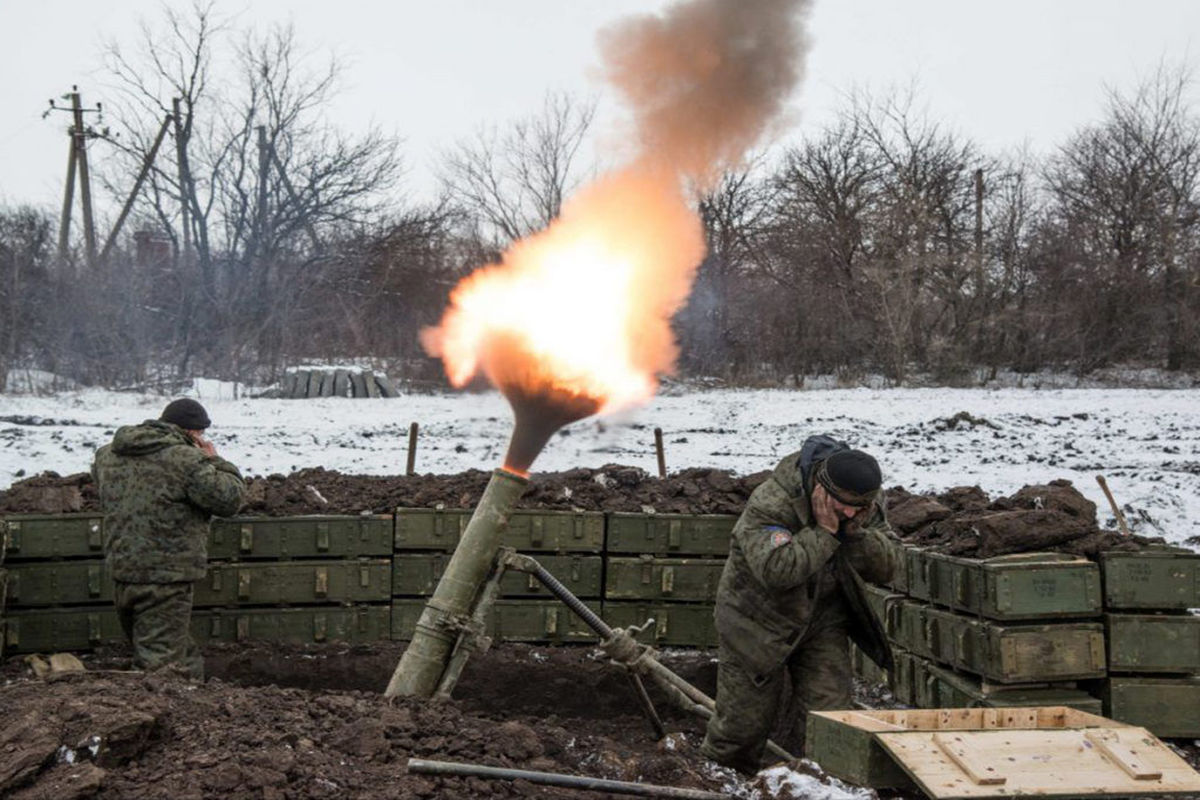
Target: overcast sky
1004	72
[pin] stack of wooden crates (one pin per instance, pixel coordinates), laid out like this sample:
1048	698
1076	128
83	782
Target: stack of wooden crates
568	544
665	568
1047	629
1153	640
316	578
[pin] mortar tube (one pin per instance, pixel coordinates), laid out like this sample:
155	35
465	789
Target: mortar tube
424	660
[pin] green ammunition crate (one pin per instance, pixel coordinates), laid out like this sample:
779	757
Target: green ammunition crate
527	531
675	624
54	629
1015	587
362	623
945	688
295	582
301	537
1165	706
852	754
59	583
1165	578
908	628
670	534
419	573
648	578
33	536
1153	642
916	573
902	680
510	621
1011	653
886	605
899	579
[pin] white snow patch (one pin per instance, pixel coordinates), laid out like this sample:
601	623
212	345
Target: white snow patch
1145	441
783	782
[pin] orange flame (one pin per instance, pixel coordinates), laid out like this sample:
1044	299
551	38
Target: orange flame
582	309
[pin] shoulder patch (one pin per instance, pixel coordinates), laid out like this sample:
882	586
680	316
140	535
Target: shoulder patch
779	536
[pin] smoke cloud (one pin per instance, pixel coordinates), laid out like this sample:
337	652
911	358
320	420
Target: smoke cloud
706	79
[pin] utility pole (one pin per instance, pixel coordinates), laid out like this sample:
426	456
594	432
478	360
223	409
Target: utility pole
137	184
77	161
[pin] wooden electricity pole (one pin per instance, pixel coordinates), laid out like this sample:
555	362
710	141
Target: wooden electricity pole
77	163
147	162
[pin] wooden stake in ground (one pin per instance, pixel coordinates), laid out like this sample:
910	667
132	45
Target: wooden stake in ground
1113	503
658	449
412	449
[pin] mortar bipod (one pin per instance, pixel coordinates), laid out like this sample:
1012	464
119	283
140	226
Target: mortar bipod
623	649
472	637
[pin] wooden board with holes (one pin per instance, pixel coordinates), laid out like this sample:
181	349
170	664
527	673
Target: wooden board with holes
995	752
1096	762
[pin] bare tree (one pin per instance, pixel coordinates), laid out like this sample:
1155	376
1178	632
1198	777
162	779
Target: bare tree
513	180
1129	190
261	178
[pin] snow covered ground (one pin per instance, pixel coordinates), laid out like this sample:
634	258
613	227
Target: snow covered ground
1145	441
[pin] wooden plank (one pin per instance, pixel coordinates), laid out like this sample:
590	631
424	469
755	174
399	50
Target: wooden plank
1054	762
867	723
1124	756
978	766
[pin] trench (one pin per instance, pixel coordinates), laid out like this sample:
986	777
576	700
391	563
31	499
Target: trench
510	680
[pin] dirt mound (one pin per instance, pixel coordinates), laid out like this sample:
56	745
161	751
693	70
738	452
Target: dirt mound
51	493
113	734
320	491
963	521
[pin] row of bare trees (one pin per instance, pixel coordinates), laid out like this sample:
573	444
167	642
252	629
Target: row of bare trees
885	242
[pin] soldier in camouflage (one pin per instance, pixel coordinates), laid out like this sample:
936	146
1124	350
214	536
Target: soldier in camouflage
791	594
159	483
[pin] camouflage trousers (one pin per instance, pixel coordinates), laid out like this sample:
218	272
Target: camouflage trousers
820	679
156	618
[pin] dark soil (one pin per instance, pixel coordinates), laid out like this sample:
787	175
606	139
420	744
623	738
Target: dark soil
276	721
321	491
964	521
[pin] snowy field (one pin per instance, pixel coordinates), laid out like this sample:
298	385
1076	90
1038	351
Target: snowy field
1146	442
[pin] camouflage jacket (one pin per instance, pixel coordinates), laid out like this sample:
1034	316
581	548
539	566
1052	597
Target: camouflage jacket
158	491
783	568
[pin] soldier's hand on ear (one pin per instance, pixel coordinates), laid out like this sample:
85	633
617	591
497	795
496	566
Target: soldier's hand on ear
823	510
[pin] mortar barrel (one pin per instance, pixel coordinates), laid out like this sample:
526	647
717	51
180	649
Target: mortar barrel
424	660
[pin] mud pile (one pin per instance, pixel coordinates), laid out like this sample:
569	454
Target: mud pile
964	521
320	491
279	722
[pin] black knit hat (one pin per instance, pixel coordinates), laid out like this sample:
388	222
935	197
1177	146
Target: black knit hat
187	414
851	476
